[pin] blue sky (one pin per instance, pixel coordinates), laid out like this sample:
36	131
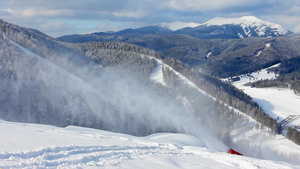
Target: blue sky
63	17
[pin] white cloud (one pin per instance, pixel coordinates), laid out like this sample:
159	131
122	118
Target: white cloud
4	12
295	9
31	12
288	22
204	5
120	12
297	29
107	25
131	14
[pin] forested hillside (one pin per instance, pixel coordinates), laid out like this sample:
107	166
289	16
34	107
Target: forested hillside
106	85
289	76
216	57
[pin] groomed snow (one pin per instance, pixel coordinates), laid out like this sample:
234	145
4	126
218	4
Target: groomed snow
41	146
266	47
277	102
157	74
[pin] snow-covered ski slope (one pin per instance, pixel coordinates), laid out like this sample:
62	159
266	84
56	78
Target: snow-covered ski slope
277	102
38	146
158	76
263	144
43	146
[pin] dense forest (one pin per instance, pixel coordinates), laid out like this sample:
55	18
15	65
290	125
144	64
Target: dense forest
289	76
228	94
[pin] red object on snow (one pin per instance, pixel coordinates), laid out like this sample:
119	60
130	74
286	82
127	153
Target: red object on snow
231	151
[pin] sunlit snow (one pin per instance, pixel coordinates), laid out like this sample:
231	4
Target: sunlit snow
42	146
246	22
279	103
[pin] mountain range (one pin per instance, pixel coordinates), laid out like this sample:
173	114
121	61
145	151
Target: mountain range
228	28
140	82
216	47
62	77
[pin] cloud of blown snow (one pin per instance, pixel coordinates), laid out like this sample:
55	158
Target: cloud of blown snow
111	98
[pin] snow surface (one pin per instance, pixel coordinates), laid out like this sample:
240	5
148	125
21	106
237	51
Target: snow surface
79	84
25	145
277	102
157	74
264	145
240	35
266	47
246	22
208	54
40	146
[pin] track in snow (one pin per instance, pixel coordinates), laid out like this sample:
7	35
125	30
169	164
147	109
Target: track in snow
287	120
85	156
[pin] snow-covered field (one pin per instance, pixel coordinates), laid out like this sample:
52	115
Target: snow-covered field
277	102
41	146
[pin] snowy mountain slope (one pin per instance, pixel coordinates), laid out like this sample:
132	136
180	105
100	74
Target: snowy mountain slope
256	141
158	77
26	51
278	103
85	99
41	146
157	74
125	104
216	28
250	132
261	28
207	142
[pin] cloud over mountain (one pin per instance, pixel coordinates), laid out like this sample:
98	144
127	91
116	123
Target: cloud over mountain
88	16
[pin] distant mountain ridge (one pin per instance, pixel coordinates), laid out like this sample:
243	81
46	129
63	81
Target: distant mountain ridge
216	28
222	47
261	28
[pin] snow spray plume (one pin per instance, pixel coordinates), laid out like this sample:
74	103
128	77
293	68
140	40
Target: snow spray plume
113	99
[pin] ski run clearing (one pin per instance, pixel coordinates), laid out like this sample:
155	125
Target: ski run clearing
279	103
43	146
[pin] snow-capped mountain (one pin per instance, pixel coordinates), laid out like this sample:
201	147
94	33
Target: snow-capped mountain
247	26
217	28
252	26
